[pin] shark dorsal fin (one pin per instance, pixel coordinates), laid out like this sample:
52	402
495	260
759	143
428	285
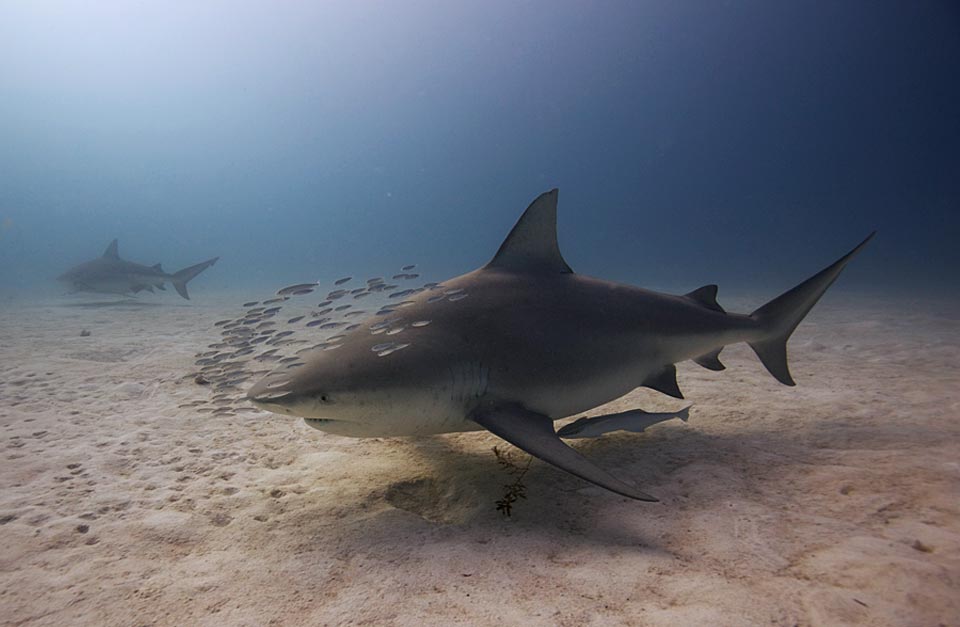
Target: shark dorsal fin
112	252
706	296
532	244
157	266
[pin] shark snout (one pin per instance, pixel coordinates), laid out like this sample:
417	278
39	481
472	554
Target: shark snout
273	394
279	394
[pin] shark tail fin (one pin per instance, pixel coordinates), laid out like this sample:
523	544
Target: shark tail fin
181	278
781	315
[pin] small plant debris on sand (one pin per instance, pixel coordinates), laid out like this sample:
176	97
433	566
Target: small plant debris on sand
512	491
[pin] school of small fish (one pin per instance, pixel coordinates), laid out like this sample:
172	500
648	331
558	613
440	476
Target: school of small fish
262	340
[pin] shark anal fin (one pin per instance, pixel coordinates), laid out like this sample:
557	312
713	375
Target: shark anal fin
112	251
711	360
706	296
664	381
532	244
534	434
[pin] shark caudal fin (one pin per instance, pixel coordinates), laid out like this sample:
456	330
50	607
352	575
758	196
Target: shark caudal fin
782	315
181	278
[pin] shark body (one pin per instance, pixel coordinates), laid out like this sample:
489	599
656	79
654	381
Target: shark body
522	342
109	274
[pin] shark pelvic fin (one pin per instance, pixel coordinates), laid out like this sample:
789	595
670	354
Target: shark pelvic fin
112	251
532	244
534	434
706	296
781	316
664	381
711	360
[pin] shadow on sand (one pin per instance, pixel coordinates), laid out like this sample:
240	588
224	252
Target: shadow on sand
450	497
126	302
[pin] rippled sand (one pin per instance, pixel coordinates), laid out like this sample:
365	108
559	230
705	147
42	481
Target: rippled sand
835	502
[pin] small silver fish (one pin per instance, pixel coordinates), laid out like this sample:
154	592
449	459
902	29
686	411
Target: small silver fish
290	289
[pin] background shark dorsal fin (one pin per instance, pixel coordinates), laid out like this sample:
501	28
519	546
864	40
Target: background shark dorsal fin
112	252
706	296
532	244
157	266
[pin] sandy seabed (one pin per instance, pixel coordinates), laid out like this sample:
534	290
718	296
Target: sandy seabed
836	502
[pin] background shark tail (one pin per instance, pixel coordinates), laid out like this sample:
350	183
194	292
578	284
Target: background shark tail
781	315
181	278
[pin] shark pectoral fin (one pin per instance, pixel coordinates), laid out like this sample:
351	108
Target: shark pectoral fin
664	381
711	360
534	434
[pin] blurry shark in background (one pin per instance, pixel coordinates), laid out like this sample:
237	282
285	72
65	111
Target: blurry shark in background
109	274
522	342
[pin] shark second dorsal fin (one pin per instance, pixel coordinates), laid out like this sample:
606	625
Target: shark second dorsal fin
532	244
112	251
706	296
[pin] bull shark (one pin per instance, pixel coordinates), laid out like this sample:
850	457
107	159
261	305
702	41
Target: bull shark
522	342
109	274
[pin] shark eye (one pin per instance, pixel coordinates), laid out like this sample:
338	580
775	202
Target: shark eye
324	398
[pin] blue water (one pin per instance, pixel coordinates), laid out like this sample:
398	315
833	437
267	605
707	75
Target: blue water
743	143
